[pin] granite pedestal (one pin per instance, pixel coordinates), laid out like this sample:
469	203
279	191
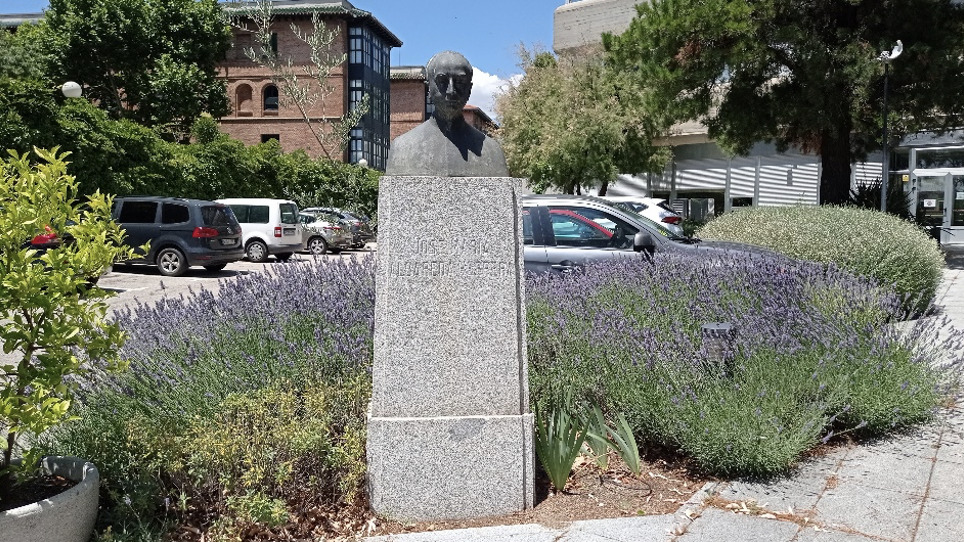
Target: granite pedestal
450	433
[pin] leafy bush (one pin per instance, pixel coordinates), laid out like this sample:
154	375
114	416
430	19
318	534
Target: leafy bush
865	242
266	407
814	355
49	314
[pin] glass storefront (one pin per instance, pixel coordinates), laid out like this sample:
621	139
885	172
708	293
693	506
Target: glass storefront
937	192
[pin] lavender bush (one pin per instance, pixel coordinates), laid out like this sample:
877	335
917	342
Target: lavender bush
208	376
815	354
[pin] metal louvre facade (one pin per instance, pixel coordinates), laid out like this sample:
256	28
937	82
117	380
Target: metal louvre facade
778	179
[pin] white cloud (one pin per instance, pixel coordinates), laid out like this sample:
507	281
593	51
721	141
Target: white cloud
485	87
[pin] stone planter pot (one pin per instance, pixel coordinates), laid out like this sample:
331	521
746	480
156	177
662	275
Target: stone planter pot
66	517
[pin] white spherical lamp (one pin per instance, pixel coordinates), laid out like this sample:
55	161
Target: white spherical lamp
363	163
71	89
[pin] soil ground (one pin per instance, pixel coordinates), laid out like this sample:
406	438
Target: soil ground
591	493
663	485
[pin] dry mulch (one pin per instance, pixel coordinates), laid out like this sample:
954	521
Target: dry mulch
665	483
663	486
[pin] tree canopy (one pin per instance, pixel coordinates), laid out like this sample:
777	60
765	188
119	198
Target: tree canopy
799	74
573	124
151	61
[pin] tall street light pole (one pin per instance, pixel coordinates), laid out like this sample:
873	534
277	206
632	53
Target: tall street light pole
886	57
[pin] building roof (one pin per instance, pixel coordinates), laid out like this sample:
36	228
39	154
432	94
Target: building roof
414	73
478	111
322	7
13	20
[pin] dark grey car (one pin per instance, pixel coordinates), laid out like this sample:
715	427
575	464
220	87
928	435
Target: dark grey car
563	233
182	232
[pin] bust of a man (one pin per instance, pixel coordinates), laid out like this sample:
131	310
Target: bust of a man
446	145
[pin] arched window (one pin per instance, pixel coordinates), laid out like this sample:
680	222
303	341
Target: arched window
243	96
270	98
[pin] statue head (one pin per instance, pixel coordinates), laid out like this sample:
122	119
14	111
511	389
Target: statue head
449	83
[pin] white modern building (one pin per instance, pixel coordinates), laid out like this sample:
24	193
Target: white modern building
700	169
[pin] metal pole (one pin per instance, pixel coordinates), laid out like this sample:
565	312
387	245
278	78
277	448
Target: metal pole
885	173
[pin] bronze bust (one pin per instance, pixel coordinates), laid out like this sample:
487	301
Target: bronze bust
446	145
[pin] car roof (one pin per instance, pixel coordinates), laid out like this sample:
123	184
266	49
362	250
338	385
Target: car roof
564	197
262	201
172	199
641	199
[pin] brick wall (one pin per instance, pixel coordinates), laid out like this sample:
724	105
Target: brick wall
247	82
408	105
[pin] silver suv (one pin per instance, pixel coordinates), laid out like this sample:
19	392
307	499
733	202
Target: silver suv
562	233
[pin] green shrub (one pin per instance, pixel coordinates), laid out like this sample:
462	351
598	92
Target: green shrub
865	242
52	322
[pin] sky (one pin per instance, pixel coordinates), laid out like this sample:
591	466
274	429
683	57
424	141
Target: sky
487	32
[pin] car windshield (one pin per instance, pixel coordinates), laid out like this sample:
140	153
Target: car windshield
663	230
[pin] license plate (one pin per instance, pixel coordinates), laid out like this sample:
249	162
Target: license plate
290	231
227	242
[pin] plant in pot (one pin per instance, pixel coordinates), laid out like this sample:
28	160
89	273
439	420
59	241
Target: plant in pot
54	333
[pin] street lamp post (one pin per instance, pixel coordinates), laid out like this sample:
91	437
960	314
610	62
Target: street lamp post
886	57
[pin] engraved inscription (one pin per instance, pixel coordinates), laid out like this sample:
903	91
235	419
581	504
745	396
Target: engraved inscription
463	248
438	268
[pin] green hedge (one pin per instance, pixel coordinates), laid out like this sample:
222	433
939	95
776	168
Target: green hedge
865	242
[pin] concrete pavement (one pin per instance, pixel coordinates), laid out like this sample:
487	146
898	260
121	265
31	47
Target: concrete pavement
907	488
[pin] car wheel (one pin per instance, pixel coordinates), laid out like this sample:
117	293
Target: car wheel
171	262
317	246
214	267
257	251
284	256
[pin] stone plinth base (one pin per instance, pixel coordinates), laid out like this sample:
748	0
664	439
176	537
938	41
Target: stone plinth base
451	467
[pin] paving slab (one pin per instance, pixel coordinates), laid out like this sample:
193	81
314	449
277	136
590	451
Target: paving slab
941	522
873	512
952	438
722	526
649	529
811	534
947	482
798	492
921	441
505	533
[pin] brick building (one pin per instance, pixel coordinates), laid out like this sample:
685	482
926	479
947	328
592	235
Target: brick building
410	105
259	111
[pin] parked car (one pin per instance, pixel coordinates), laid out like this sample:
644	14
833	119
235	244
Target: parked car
357	221
270	227
322	233
182	232
654	209
50	239
562	233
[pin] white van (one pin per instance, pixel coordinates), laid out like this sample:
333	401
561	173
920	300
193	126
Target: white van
268	226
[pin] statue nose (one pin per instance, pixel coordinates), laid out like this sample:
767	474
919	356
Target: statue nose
450	86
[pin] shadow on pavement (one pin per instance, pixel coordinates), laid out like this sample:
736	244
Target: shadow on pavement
954	260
